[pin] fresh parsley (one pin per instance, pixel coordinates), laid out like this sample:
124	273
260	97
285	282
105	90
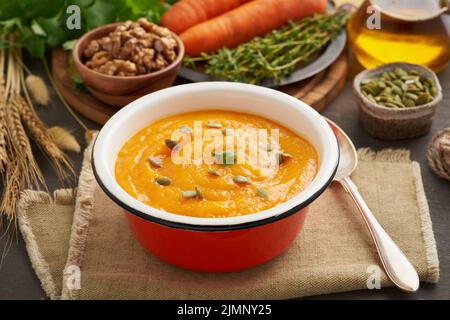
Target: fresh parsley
40	24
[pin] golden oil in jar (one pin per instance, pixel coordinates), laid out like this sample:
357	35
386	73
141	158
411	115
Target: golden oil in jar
414	31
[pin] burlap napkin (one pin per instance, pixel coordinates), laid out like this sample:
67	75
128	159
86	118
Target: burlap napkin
333	253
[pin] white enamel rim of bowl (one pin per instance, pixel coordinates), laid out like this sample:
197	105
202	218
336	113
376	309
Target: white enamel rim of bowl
126	122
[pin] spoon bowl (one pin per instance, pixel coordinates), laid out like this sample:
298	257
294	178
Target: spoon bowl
348	157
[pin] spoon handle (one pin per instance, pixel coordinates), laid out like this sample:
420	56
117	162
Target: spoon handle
397	266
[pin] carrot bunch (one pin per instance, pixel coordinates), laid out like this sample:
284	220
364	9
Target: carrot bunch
187	13
208	25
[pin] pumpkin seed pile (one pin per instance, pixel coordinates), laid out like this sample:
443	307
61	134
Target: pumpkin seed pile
399	88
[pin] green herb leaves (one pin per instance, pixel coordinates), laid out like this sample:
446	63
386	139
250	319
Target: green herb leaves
275	55
42	23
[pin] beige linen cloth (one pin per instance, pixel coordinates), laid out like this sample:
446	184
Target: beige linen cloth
333	252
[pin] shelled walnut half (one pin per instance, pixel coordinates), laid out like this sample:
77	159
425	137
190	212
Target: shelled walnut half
133	48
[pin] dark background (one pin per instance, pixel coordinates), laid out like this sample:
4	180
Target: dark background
18	280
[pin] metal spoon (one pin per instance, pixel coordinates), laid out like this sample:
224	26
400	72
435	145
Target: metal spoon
397	266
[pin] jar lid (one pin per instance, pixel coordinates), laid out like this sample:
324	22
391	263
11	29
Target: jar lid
411	10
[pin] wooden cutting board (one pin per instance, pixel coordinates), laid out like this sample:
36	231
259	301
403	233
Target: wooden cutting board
317	91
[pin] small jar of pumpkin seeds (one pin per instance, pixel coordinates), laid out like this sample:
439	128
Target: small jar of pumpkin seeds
397	100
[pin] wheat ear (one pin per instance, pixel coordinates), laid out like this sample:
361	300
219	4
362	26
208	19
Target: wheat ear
11	193
3	127
21	144
40	134
3	131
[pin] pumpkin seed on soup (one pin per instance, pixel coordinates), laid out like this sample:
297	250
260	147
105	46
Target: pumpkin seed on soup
189	194
163	181
213	125
227	131
170	143
240	179
225	158
213	172
186	129
282	157
199	193
156	162
267	147
262	193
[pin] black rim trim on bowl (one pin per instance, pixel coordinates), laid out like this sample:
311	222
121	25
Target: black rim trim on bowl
186	226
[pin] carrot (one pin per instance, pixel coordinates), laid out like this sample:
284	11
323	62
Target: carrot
187	13
243	23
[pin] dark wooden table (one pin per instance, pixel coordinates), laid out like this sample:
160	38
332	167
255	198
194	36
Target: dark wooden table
18	281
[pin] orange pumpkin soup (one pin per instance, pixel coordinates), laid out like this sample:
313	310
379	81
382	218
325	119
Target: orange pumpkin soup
215	164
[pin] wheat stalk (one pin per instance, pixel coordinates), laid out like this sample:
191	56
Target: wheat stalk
21	147
39	131
3	127
40	134
22	170
11	193
3	132
14	183
17	119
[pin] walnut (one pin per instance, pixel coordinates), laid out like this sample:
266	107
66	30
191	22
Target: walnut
116	45
153	28
167	47
127	49
158	45
106	43
134	25
125	36
92	48
109	68
129	68
141	69
125	26
169	43
148	59
160	61
144	43
133	48
138	32
138	58
98	59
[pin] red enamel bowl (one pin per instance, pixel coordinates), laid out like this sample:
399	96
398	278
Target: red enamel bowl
216	244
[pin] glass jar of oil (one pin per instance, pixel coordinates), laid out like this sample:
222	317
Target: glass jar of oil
414	31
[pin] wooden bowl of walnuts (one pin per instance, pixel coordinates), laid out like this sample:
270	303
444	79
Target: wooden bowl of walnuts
121	61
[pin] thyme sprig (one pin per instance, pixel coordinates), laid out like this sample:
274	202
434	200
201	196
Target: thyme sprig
275	55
